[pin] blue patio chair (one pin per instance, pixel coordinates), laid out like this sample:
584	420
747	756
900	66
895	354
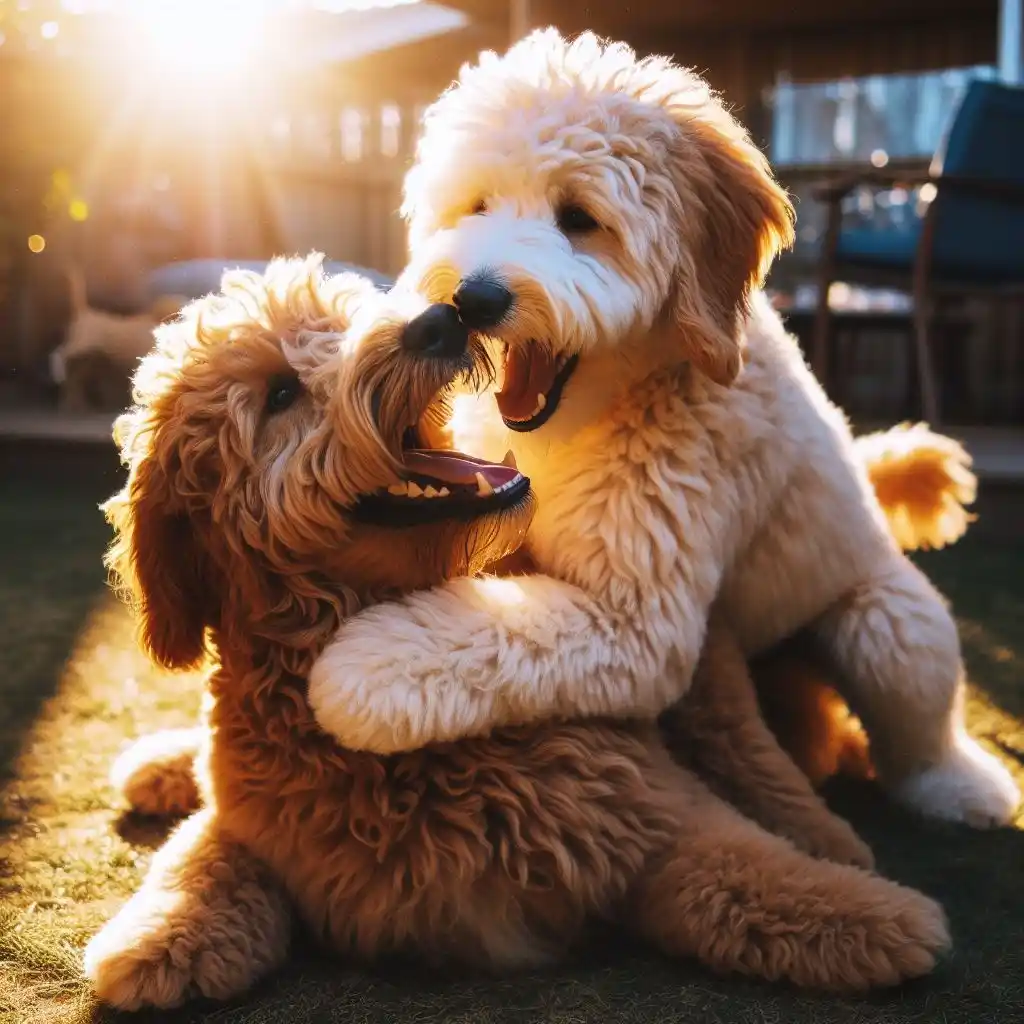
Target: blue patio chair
969	239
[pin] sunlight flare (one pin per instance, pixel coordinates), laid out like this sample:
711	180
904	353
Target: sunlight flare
213	37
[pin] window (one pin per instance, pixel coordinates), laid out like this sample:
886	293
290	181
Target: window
857	120
390	130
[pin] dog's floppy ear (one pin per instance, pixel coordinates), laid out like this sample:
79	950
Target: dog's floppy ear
157	561
746	220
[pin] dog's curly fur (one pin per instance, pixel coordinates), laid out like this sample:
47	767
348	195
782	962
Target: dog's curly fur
238	537
631	220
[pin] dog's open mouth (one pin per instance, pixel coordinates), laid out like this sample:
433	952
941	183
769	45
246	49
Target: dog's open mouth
533	385
442	484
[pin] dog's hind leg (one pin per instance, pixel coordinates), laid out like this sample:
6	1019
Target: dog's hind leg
719	730
742	900
797	694
208	921
897	656
156	774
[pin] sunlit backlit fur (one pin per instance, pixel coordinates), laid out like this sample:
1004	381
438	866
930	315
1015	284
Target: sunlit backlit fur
693	457
237	538
923	482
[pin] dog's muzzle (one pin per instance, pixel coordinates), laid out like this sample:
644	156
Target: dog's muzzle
438	332
483	302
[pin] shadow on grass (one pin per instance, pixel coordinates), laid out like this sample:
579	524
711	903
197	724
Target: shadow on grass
144	830
986	585
52	537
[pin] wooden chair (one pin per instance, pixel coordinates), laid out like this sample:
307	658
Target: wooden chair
969	239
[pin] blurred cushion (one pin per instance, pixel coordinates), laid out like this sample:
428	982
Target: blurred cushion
890	250
193	278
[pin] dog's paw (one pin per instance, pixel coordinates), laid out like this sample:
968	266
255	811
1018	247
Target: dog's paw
903	939
164	948
877	935
156	774
969	786
134	962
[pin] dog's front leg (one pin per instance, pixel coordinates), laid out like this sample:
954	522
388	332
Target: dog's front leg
475	654
209	920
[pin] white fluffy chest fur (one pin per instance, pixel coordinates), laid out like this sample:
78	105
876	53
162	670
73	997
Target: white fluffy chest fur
685	470
628	498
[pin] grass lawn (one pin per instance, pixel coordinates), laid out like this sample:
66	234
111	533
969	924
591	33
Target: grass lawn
74	691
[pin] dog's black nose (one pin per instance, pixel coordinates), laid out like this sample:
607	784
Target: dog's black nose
437	331
482	302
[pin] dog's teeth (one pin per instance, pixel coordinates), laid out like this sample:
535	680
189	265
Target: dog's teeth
429	492
443	493
542	400
398	489
509	460
483	488
510	483
415	491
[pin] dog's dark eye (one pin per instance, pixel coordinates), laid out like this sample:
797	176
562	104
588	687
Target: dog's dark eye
282	393
479	207
574	220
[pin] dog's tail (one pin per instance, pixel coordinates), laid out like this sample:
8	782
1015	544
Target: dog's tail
76	290
923	481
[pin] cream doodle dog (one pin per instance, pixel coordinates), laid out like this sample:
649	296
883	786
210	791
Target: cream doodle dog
607	224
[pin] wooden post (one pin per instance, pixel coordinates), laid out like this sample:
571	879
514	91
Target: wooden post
821	344
519	19
922	321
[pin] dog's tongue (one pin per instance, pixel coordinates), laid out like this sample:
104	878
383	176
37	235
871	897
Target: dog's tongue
452	467
530	371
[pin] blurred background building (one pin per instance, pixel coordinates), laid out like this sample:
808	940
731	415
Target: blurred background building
138	134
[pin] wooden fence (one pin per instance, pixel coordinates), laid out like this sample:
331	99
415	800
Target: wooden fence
328	176
322	176
332	180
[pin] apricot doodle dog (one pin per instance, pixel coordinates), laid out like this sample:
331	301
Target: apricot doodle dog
604	224
272	451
